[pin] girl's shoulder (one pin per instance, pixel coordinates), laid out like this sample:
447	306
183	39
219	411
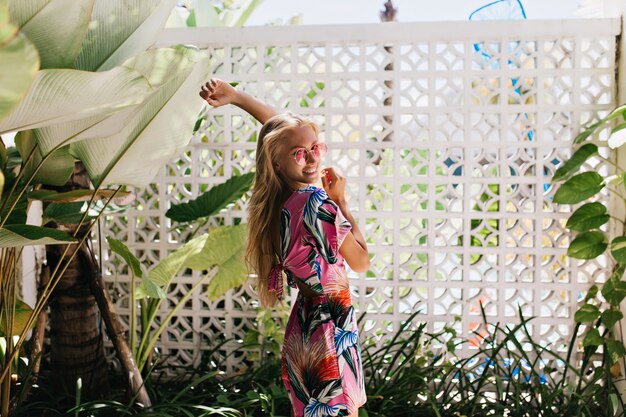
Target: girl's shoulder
307	190
310	195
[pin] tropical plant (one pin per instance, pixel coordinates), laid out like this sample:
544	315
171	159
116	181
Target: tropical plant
81	85
410	373
217	255
594	182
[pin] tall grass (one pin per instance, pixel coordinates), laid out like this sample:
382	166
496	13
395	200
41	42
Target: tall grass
510	374
412	373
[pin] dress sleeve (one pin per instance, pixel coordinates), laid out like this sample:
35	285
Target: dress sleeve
326	225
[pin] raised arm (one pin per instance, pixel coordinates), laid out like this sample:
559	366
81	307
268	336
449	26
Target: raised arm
218	93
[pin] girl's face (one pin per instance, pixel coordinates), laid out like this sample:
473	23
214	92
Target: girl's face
299	157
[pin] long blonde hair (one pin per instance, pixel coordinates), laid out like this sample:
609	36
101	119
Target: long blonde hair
268	196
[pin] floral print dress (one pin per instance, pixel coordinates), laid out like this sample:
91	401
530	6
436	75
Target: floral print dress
321	358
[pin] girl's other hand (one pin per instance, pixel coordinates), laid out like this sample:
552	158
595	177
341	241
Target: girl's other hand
218	93
334	185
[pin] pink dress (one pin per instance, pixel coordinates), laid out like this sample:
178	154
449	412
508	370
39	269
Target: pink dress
321	357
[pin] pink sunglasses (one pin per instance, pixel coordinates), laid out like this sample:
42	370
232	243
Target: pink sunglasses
318	151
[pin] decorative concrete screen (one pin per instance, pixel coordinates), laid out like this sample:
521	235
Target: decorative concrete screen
448	133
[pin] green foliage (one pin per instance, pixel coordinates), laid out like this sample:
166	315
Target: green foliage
410	373
217	255
587	217
588	245
78	83
579	188
18	235
212	201
576	161
19	61
582	183
20	319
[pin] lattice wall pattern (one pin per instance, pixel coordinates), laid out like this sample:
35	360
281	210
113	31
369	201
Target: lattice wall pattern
448	142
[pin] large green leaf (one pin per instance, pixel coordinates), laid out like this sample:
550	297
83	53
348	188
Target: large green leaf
73	212
212	201
166	270
231	274
588	216
14	235
62	95
610	317
587	245
578	158
66	213
121	249
13	211
150	134
223	248
21	314
579	188
57	168
120	29
57	27
19	62
593	338
222	244
149	289
614	291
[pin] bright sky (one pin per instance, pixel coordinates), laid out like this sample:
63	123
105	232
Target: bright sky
314	12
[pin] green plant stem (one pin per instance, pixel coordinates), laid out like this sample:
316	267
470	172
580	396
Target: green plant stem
618	169
616	191
133	315
145	349
9	300
198	227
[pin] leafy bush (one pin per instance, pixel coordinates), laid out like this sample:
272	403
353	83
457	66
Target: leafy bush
413	373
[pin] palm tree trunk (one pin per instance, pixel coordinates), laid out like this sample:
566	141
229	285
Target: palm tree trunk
79	300
76	341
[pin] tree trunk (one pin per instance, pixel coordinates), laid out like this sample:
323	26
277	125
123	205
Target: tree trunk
76	341
388	15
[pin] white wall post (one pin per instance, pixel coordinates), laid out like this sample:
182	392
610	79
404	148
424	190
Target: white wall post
618	8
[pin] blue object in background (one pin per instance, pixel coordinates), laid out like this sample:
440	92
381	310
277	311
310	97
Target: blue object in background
500	10
506	10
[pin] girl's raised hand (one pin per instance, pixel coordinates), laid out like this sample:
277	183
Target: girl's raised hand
334	185
218	93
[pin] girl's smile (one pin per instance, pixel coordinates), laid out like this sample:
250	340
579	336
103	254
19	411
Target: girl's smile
300	157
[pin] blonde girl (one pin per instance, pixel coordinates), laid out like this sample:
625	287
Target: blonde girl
309	234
